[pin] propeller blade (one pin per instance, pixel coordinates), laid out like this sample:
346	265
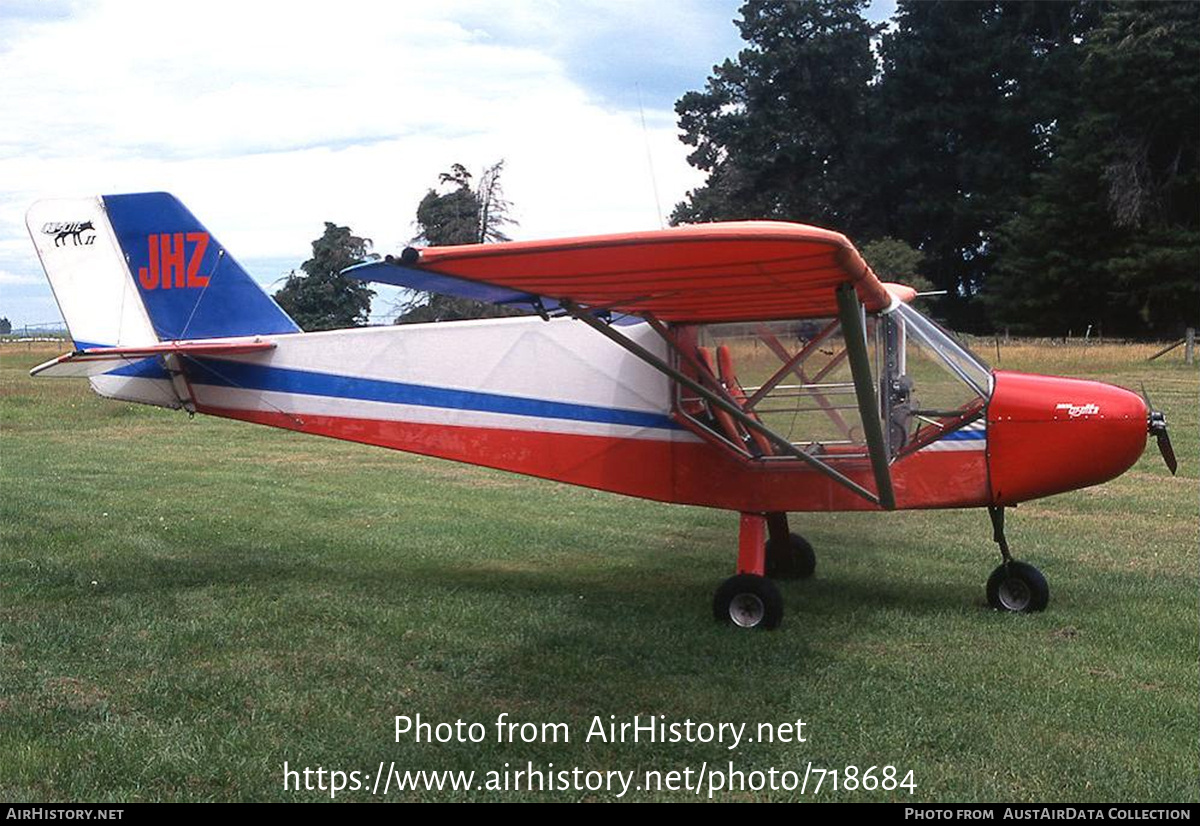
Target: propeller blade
1157	424
1168	452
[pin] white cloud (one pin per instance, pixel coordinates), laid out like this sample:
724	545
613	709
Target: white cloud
269	118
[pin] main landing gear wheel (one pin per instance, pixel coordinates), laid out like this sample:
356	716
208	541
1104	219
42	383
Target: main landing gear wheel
748	601
1017	587
795	560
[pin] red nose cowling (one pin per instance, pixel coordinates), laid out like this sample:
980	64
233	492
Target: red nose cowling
1048	434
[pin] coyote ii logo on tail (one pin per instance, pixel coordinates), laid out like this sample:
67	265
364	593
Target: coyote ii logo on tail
73	230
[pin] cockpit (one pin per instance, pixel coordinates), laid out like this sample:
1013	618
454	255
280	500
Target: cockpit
794	378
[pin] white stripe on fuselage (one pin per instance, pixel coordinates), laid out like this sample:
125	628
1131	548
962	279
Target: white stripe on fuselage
970	437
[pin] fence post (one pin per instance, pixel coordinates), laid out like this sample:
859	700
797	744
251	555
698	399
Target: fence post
1189	349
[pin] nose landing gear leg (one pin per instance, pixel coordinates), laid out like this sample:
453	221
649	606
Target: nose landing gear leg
1014	586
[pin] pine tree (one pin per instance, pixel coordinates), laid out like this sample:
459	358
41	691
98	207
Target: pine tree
780	129
1111	235
322	298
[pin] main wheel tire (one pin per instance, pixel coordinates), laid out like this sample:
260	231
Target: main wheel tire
748	601
1018	587
796	560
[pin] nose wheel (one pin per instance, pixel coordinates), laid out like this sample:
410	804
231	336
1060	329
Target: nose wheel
1014	586
1017	587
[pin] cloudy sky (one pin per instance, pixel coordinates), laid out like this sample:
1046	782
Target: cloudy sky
269	118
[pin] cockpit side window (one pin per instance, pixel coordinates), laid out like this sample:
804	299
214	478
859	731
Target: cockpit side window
792	377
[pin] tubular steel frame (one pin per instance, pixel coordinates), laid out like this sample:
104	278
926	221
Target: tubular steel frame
855	335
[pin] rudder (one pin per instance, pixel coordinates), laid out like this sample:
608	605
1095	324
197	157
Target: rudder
88	275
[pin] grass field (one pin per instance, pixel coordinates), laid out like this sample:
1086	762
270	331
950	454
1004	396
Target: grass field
186	605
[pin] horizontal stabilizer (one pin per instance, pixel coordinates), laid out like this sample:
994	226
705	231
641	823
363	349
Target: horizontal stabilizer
95	361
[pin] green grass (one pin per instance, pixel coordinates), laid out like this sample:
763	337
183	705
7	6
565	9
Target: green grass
184	605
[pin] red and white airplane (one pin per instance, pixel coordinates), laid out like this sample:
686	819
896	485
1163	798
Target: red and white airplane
759	367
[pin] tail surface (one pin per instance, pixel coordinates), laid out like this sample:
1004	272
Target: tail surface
131	270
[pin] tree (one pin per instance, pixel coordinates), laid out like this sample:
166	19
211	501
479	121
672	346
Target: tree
461	215
5	326
970	95
322	298
781	129
894	260
928	134
1042	157
1111	235
464	215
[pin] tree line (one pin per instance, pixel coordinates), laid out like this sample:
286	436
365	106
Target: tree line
1042	158
1039	162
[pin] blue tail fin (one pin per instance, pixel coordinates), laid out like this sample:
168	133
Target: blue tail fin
190	286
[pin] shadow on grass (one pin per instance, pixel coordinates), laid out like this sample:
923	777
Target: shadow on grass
672	591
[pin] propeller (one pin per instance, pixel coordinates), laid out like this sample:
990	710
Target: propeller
1157	427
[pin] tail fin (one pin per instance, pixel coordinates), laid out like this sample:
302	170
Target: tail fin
131	270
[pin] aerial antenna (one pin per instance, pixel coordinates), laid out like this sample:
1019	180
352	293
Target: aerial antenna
649	156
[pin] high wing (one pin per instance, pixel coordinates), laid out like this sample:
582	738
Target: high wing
397	273
740	271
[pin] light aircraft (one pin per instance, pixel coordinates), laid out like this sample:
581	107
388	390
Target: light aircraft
759	367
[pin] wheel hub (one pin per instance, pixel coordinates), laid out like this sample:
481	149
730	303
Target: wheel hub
1014	594
746	610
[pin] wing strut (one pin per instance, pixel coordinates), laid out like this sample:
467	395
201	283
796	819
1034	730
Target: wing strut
855	333
749	422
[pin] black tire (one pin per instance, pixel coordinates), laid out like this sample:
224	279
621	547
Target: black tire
796	560
748	601
1017	587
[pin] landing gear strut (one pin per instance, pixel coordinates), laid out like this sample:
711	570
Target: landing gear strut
789	555
750	599
1014	586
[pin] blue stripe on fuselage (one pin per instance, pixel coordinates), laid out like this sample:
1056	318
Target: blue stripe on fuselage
307	383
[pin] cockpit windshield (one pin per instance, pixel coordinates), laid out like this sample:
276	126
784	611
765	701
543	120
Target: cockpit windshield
931	384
